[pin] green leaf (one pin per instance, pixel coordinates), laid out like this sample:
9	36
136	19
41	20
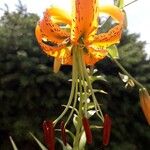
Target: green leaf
90	113
95	78
124	77
38	142
90	105
13	143
113	51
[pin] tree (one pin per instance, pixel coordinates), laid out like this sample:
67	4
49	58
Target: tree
29	90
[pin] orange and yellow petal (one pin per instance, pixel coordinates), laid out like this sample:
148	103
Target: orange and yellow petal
114	34
49	50
84	18
114	12
60	15
111	37
94	54
65	56
52	31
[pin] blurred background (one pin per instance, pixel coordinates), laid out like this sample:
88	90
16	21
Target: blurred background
30	92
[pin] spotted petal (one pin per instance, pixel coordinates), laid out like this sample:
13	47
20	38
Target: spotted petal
52	49
84	19
114	34
52	31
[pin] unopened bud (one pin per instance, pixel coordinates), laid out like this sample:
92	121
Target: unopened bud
145	103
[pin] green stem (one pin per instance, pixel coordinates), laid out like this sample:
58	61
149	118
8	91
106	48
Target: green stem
97	107
74	79
130	3
83	79
80	114
126	72
74	104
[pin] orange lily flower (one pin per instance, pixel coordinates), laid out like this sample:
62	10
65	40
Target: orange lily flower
74	39
59	31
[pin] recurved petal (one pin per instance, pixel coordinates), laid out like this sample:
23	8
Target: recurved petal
111	37
53	49
60	14
84	18
114	12
51	30
114	34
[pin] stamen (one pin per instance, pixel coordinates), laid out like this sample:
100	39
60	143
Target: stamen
106	129
87	130
63	133
49	134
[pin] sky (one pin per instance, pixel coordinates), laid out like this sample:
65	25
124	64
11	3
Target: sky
137	13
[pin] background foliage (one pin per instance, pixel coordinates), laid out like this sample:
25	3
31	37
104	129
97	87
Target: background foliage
30	92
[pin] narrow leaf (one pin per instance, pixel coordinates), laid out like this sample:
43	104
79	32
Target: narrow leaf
113	51
13	143
38	142
82	142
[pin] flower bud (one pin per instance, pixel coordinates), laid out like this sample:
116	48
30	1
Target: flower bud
49	134
145	103
106	129
87	129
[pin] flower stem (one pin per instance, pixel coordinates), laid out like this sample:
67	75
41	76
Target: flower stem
80	114
127	73
97	107
74	79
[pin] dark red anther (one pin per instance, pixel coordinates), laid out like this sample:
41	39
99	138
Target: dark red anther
63	133
87	130
49	134
106	129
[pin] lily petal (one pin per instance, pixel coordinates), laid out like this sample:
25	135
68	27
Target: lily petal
114	12
51	30
49	50
94	55
60	15
111	37
114	34
84	20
